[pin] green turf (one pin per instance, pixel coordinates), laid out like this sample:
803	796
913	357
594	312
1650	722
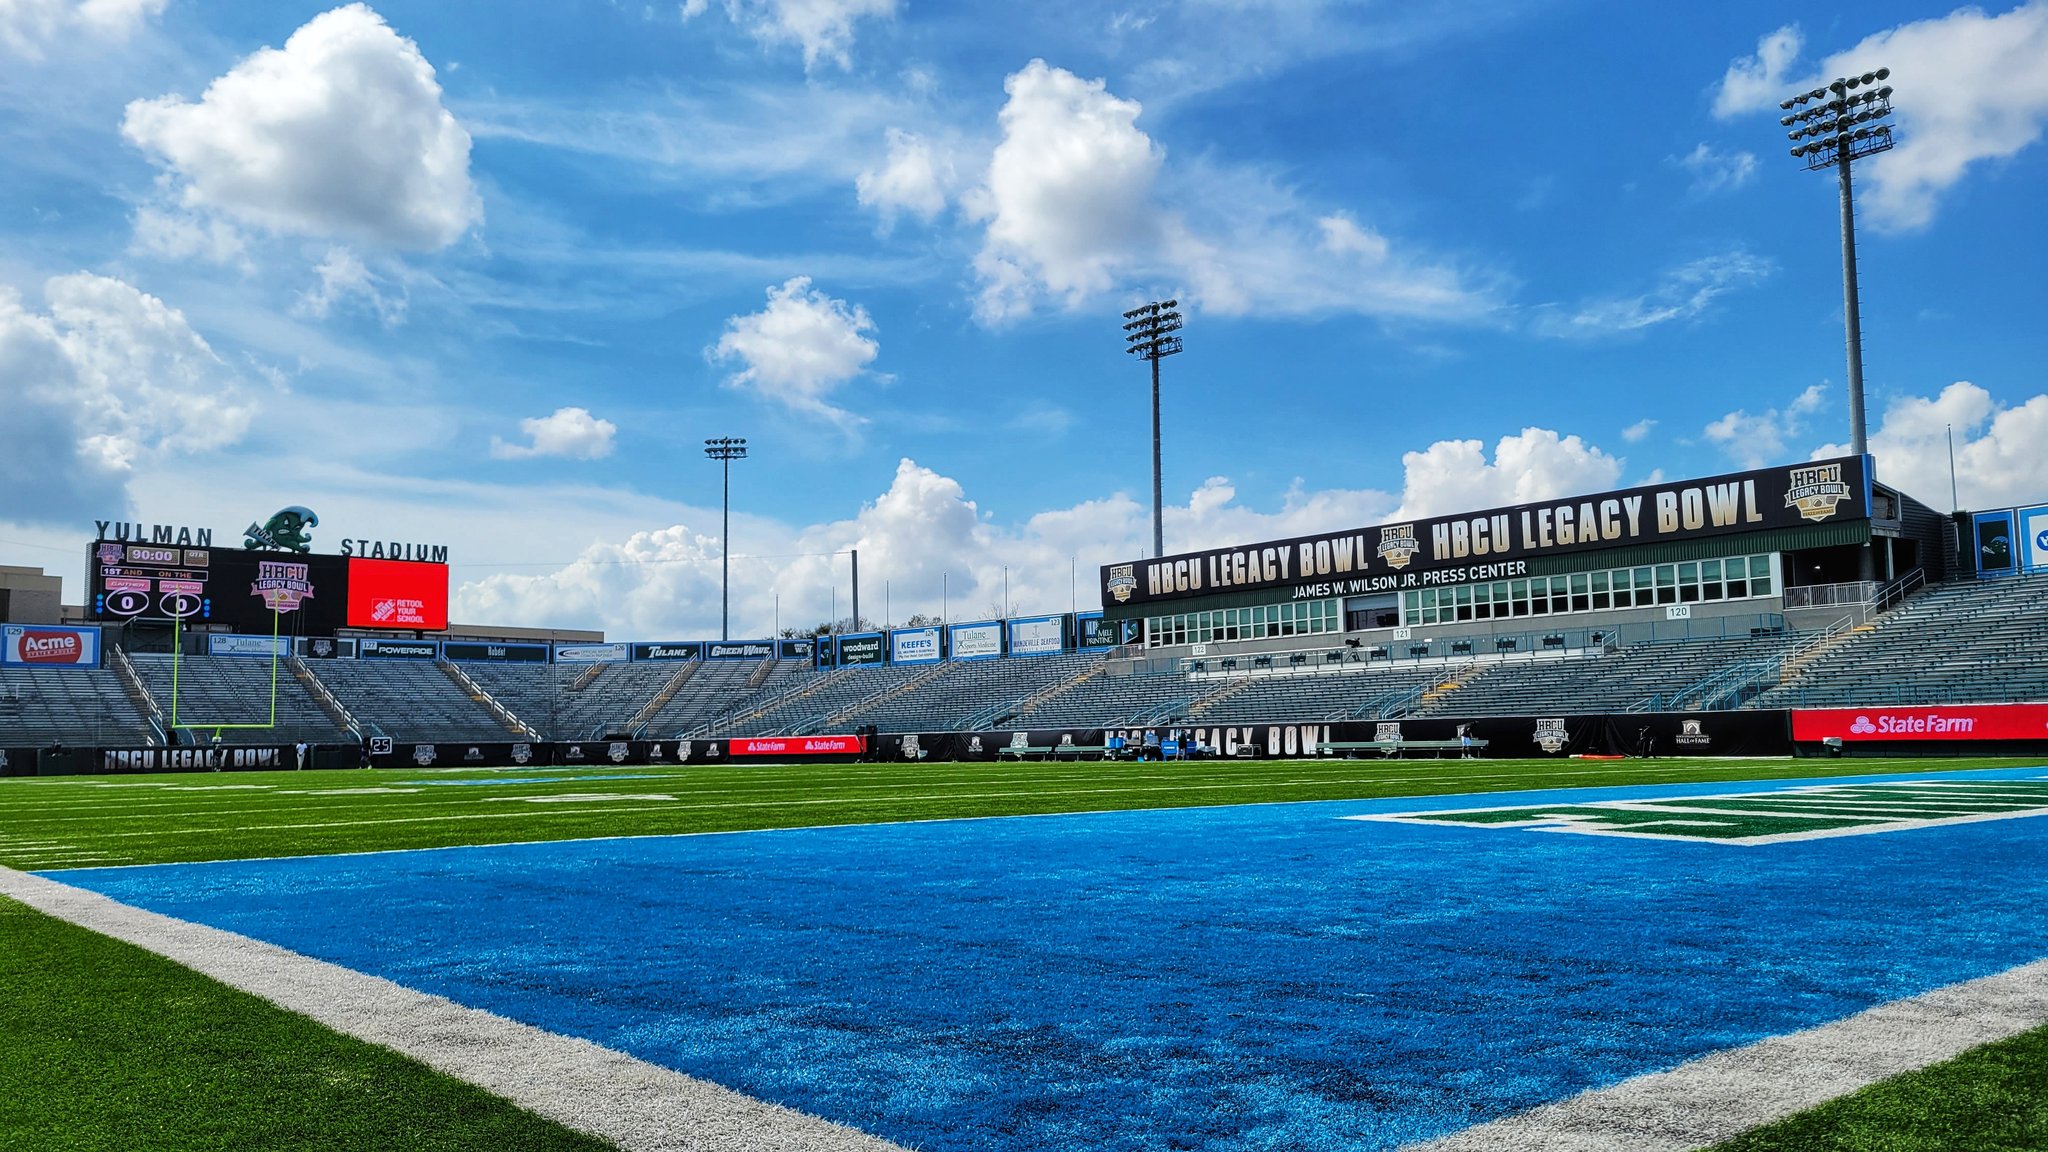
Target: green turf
106	1046
1990	1099
57	822
150	1055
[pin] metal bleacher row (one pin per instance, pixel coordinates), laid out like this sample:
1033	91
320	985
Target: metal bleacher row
1961	642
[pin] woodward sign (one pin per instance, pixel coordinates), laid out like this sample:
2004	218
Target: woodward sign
795	746
1923	722
1498	543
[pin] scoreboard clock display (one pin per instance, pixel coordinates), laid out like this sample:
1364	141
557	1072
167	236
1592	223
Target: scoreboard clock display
218	586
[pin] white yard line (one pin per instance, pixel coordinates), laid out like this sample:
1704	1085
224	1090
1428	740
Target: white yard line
1706	1101
638	1106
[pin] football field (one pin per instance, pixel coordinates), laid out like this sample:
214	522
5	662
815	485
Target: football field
1306	955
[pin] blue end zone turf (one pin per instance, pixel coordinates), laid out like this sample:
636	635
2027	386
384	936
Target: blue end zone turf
1226	978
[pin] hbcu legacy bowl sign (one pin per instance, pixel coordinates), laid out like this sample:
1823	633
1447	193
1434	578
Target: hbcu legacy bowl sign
1498	543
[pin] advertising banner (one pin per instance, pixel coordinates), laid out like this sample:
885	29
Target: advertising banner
739	649
1944	722
1996	555
914	646
268	647
480	650
1095	632
408	594
794	746
1038	636
398	649
794	649
1498	543
326	648
2033	538
673	650
865	648
49	646
976	641
590	653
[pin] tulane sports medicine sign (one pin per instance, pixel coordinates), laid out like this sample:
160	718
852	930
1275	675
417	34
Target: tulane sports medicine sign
1499	542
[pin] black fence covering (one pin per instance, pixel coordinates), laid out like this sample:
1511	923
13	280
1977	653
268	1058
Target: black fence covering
1506	737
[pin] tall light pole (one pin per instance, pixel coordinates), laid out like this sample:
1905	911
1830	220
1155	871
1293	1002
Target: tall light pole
726	449
1833	127
1148	336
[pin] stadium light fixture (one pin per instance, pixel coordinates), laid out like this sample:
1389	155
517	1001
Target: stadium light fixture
1148	335
726	449
1832	127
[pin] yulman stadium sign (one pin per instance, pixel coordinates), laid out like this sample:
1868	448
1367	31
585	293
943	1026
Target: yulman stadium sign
1498	543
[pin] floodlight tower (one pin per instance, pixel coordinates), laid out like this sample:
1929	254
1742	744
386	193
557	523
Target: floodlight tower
726	449
1148	334
1833	127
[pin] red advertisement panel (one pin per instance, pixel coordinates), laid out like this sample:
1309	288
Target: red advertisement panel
397	594
795	746
1923	722
29	644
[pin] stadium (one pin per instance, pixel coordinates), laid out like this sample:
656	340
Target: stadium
1617	811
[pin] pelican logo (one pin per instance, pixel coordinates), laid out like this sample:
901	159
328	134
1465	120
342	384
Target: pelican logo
1398	545
1123	580
1815	491
1389	730
1550	734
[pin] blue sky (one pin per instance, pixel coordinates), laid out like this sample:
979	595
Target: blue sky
489	274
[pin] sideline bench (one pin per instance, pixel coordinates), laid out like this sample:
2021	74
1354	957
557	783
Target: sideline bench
1390	749
1052	751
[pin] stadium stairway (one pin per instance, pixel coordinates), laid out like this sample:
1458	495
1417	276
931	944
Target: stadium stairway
674	684
513	724
407	700
1961	642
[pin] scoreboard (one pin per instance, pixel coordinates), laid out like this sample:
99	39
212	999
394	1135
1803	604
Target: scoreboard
241	589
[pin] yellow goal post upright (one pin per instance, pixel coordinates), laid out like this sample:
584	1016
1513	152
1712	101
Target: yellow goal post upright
177	660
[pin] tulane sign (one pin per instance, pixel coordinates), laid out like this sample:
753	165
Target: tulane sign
1499	542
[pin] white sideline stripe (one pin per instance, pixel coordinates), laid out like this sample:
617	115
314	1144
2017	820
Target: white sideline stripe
638	1106
1721	1095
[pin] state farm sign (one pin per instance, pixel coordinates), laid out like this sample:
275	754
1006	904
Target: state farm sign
1923	722
796	746
28	644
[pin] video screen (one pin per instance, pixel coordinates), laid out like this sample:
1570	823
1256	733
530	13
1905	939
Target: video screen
397	594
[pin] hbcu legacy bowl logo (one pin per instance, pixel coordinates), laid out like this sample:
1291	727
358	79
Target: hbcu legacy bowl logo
1398	545
1815	491
283	586
1123	580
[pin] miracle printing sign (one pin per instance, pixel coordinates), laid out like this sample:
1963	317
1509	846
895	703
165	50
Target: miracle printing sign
1498	543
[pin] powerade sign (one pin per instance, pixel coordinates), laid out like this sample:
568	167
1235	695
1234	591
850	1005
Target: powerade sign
49	647
739	649
512	653
1038	636
590	653
914	646
1500	542
863	649
688	650
397	650
976	641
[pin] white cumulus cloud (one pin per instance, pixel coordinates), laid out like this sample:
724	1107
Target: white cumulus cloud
1713	171
1755	440
1969	87
105	380
1076	205
341	133
1998	459
913	179
799	349
569	432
